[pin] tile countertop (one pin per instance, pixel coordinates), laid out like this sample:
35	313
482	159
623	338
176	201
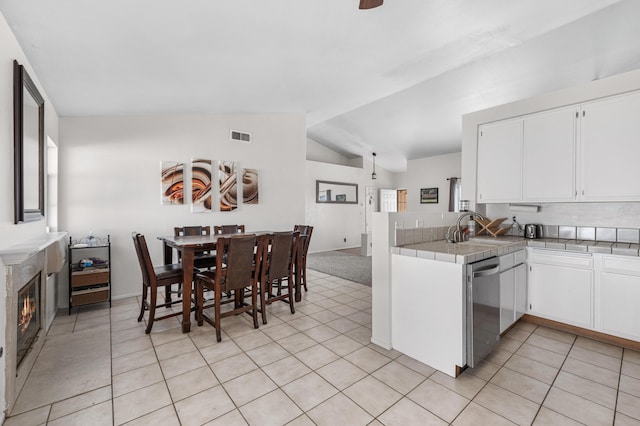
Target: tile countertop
484	247
466	252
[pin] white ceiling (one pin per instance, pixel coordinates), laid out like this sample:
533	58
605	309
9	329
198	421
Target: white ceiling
394	80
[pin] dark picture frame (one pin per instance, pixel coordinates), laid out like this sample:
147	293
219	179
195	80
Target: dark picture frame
28	125
336	192
429	196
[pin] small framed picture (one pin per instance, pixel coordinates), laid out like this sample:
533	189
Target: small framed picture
429	196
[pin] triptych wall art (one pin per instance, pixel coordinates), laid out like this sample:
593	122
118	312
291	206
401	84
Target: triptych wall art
172	178
208	193
201	194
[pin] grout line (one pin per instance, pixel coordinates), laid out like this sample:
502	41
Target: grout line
615	406
554	380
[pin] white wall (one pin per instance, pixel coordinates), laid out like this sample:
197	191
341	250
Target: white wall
320	153
109	178
11	234
400	180
431	172
334	222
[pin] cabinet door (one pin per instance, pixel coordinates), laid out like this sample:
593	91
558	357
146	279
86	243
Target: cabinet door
620	299
507	298
561	294
549	141
521	290
500	162
610	145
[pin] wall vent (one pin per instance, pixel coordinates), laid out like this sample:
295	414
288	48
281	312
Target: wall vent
240	136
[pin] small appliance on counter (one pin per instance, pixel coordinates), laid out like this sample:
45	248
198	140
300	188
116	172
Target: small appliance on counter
533	231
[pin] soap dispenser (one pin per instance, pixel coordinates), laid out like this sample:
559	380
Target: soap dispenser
471	227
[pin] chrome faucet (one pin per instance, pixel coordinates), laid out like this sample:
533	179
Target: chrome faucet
458	235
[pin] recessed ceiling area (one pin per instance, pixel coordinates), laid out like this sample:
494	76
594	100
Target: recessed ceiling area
394	80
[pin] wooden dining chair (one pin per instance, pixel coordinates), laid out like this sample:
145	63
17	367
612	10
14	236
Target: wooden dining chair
152	279
278	257
203	259
237	272
228	229
305	240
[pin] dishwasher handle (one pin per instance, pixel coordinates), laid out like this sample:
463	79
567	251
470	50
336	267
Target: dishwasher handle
486	272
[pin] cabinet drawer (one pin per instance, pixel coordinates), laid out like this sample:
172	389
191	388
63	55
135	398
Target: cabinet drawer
507	262
561	258
622	264
85	297
90	277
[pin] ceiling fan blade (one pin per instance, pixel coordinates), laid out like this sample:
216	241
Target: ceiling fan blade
370	4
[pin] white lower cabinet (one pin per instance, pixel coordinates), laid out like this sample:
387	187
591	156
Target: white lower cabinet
521	291
561	287
513	288
507	299
428	305
620	296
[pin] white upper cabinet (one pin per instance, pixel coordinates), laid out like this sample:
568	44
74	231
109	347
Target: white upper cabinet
610	145
500	162
585	152
549	156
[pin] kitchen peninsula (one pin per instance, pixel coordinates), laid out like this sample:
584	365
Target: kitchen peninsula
429	297
590	286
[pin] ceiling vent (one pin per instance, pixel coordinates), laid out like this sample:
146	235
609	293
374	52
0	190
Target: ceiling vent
240	136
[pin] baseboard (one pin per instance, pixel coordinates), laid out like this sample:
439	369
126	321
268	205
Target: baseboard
125	296
384	345
584	332
333	249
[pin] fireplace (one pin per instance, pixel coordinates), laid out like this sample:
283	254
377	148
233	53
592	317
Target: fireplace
29	317
30	307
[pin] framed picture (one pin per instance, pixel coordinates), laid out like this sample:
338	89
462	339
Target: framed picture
429	196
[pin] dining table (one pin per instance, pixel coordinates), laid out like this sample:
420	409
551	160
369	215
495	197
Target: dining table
188	246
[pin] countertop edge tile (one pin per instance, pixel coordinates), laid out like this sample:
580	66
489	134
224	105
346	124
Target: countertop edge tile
624	251
599	249
446	257
424	254
408	252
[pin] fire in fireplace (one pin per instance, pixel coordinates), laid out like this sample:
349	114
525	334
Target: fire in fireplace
28	316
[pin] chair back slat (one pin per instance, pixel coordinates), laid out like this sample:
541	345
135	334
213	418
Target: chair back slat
305	234
146	266
180	231
228	229
308	240
239	254
301	228
280	258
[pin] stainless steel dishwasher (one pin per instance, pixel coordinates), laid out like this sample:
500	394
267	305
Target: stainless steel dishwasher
483	309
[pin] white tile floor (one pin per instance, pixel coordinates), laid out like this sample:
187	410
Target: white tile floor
315	367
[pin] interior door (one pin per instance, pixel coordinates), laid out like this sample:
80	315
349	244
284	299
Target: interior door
370	206
388	200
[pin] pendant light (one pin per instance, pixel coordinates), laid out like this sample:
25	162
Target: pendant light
373	175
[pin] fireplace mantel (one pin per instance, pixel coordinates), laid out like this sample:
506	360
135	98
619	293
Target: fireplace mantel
18	253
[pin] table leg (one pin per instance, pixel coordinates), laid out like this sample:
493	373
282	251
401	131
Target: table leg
168	259
298	277
168	254
188	255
